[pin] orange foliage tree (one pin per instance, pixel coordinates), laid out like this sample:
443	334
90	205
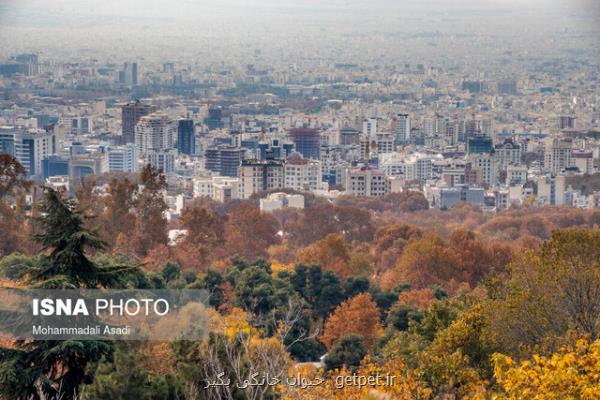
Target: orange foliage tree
150	222
389	242
331	253
424	262
205	232
357	315
249	233
118	217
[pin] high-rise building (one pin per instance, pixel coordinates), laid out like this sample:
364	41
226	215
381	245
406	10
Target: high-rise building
129	74
122	158
584	160
224	160
32	147
551	190
130	116
566	122
479	144
274	149
370	126
558	155
402	128
25	64
186	137
473	86
483	168
215	118
78	125
162	159
154	132
507	87
307	141
7	139
258	176
349	136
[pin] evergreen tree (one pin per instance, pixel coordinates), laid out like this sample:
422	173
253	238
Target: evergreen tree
57	368
126	378
348	352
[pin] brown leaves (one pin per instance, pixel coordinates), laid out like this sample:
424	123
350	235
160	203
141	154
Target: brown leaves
357	315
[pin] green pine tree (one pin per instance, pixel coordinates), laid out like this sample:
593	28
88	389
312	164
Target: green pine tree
57	368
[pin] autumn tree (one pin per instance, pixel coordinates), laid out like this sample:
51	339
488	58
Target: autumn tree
389	242
10	236
331	253
317	222
233	351
571	373
13	179
150	222
549	292
404	386
118	218
13	176
458	362
205	231
249	233
410	201
203	226
476	259
357	315
424	262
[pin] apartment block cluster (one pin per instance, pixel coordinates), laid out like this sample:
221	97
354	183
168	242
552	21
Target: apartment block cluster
491	143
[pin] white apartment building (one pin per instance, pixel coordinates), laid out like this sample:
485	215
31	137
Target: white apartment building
414	167
277	201
155	131
507	153
257	176
163	159
558	155
122	158
303	174
516	174
485	166
370	126
218	188
366	181
584	160
385	143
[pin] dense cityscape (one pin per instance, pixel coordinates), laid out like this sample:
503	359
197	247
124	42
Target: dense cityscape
361	189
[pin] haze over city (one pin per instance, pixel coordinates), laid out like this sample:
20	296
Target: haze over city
333	200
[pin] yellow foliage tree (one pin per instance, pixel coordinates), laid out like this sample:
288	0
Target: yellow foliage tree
385	380
572	373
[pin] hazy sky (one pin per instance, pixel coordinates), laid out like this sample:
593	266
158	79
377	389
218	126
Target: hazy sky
187	8
47	24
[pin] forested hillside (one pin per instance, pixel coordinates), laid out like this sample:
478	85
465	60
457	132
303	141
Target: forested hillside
453	304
